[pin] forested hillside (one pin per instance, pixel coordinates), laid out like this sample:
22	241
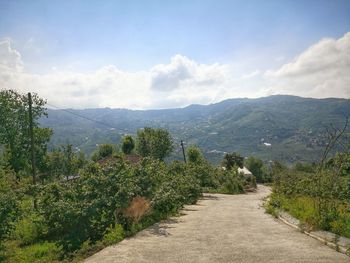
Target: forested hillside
285	128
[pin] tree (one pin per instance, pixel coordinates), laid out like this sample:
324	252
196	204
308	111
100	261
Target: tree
256	166
231	160
194	155
128	144
156	143
14	129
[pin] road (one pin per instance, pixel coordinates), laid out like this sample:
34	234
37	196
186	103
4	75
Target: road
221	228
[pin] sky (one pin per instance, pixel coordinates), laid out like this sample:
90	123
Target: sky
150	54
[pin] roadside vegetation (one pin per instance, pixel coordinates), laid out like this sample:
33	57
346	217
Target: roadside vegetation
75	205
317	194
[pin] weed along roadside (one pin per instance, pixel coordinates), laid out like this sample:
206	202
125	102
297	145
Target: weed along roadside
315	197
339	243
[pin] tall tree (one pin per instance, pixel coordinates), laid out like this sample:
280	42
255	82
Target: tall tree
156	143
14	128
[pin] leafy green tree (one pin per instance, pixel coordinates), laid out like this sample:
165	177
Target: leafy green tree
194	155
128	144
231	160
14	128
156	143
258	169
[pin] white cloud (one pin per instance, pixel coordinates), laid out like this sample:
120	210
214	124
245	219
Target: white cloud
179	83
183	72
320	71
251	74
10	59
323	70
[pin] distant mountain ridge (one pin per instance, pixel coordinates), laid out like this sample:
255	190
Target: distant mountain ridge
294	126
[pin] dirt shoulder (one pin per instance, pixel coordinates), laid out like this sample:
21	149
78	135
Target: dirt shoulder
221	228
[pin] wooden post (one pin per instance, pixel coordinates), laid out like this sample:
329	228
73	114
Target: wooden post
183	150
32	150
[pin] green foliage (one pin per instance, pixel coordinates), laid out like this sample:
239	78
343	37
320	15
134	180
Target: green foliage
36	253
14	129
84	209
293	126
8	206
231	160
156	143
128	144
30	229
63	161
317	195
231	182
98	208
76	212
113	235
103	151
194	155
205	173
258	169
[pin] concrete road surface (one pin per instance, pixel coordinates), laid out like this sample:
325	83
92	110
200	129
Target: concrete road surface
221	228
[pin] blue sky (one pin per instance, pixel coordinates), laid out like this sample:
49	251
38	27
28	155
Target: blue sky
136	36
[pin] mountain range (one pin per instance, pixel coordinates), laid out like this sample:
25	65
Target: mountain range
280	127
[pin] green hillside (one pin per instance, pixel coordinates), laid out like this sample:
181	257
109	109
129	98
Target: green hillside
293	126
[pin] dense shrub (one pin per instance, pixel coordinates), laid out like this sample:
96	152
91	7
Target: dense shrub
38	253
8	206
231	182
30	229
117	193
113	235
317	195
205	173
84	209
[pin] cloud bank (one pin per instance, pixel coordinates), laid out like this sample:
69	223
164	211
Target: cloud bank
320	71
323	70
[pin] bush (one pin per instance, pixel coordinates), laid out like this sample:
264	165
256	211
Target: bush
8	206
316	195
29	230
38	253
84	209
204	172
194	155
231	182
113	235
104	150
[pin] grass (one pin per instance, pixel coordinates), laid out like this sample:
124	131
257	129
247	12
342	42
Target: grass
39	252
305	209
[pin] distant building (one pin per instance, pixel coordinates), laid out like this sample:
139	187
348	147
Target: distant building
245	171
